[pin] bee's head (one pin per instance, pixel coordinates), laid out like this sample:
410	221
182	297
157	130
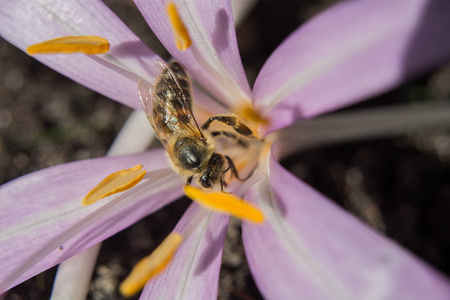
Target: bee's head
214	171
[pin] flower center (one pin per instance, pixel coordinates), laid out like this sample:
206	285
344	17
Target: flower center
253	118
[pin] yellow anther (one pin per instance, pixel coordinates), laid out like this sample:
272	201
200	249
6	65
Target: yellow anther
71	44
181	35
116	182
225	203
151	265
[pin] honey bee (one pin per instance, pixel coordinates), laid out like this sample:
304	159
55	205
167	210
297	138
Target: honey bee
191	149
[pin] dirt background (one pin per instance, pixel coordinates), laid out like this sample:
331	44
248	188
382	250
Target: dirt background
46	119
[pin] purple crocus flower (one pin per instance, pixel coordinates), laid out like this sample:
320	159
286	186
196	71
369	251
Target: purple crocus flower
308	246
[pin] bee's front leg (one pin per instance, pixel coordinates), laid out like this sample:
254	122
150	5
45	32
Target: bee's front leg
231	121
231	135
222	185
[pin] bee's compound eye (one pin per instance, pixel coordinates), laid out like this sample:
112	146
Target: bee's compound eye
205	181
216	160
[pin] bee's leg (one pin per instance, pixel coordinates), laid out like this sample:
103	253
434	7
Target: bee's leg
189	180
231	135
233	169
222	185
232	121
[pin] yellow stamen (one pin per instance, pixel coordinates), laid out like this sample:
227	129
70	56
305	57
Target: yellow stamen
116	182
249	113
71	44
181	35
225	203
151	265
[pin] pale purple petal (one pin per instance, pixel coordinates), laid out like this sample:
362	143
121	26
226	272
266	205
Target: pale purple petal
27	22
354	50
194	271
218	66
43	222
204	106
309	248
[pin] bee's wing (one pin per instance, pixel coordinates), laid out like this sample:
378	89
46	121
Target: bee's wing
145	95
168	104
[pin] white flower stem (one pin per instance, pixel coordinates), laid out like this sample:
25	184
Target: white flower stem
361	124
74	275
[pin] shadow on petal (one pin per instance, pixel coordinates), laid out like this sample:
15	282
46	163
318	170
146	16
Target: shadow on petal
429	45
220	41
210	253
